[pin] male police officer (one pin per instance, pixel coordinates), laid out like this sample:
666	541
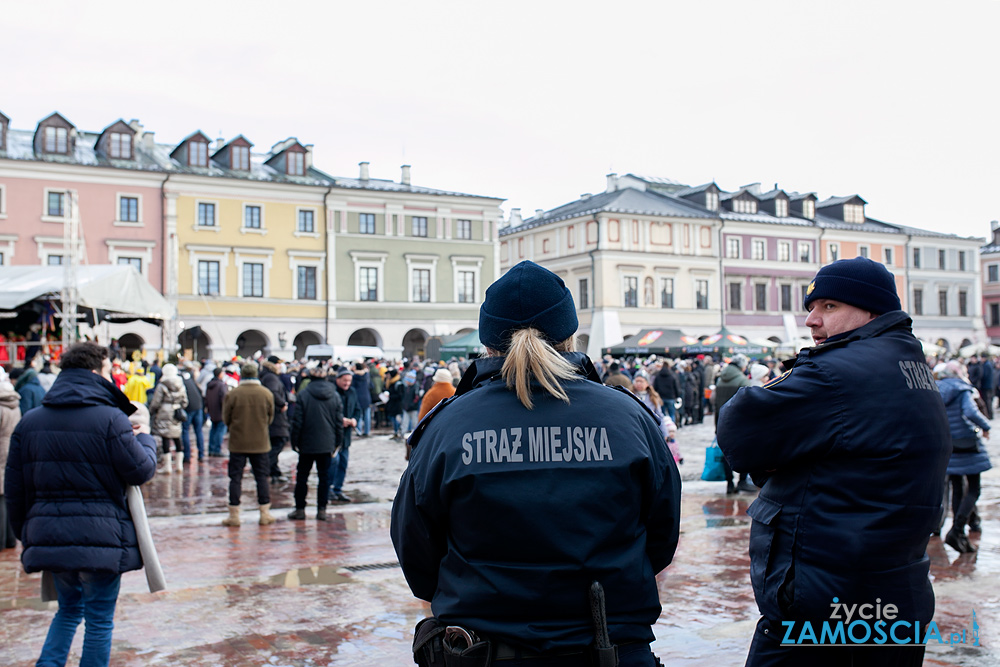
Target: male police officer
852	466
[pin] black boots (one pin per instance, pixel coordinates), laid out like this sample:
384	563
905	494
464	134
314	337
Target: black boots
956	537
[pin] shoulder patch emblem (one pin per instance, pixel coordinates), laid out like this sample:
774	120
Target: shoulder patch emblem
778	379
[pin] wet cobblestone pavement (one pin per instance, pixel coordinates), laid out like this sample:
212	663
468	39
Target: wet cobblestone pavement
312	593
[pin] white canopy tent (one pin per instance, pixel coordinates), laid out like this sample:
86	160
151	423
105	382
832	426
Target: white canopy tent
116	288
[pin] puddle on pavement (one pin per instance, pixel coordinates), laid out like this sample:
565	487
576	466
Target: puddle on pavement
306	576
26	603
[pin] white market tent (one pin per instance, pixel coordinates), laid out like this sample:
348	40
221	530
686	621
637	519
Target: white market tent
116	288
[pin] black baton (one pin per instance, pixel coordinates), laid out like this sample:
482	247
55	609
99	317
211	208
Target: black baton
605	651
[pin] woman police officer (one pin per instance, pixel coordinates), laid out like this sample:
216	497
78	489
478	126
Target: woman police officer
530	484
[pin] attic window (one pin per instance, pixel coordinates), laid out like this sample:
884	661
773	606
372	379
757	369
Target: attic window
808	209
197	154
744	206
120	146
781	208
854	213
712	200
296	164
56	139
240	158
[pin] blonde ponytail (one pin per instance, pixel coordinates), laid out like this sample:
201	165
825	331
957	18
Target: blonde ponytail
529	355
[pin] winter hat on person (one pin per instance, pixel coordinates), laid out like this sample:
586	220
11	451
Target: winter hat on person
168	371
344	370
274	359
858	282
741	361
758	372
248	371
410	377
442	375
528	295
641	374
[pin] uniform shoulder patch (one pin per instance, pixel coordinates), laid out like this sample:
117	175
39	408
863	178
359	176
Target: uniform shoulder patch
780	378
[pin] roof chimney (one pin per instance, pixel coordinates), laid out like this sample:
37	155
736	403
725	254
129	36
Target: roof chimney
515	217
364	170
148	140
309	155
405	178
137	126
539	212
612	182
585	195
994	225
220	142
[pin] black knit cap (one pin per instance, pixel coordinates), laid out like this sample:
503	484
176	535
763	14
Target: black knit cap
528	295
858	282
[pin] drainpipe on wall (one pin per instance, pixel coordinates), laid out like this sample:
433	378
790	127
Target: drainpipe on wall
907	251
593	272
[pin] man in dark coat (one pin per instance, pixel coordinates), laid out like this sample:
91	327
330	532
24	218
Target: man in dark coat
215	395
617	377
70	461
317	432
195	416
352	412
852	468
987	384
278	430
667	385
363	389
30	390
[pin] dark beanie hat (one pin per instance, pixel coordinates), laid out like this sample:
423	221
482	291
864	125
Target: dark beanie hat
528	295
858	282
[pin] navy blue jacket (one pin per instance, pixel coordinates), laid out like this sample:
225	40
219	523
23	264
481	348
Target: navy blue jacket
963	417
318	420
70	461
30	389
850	446
506	515
349	402
361	384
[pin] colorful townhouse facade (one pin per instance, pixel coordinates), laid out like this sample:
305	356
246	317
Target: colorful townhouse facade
989	258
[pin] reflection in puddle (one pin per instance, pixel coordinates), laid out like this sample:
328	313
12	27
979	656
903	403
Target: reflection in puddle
725	512
305	576
27	603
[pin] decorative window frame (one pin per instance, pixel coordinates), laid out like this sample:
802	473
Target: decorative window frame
122	248
798	254
243	256
865	250
45	205
833	248
3	201
780	208
738	240
991	265
373	260
784	244
888	255
466	263
767	297
374	228
197	253
729	296
415	261
53	245
243	220
459	226
763	241
215	226
623	278
118	222
779	306
309	258
313	234
7	244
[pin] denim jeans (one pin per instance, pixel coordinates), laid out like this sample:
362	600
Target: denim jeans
410	420
338	469
365	423
195	418
396	422
82	595
215	435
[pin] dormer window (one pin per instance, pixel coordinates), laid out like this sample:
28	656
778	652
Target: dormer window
296	163
781	208
744	206
712	200
120	146
854	213
808	209
197	154
240	157
56	140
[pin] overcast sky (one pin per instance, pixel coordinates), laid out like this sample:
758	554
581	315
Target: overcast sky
535	101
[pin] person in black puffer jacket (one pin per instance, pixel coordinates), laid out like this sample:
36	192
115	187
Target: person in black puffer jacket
70	461
317	432
278	430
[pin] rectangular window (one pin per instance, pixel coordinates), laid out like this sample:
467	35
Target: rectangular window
666	292
994	314
631	291
961	260
712	200
1	259
805	252
993	273
128	209
366	223
863	251
253	279
419	225
584	293
942	302
887	252
206	214
55	260
197	154
854	213
733	247
307	282
758	249
56	207
133	261
208	277
918	301
120	145
809	209
296	164
701	294
368	277
56	140
463	229
781	208
963	303
307	221
916	258
466	287
745	206
941	259
786	298
422	285
735	296
805	288
240	158
784	251
834	251
251	217
760	297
